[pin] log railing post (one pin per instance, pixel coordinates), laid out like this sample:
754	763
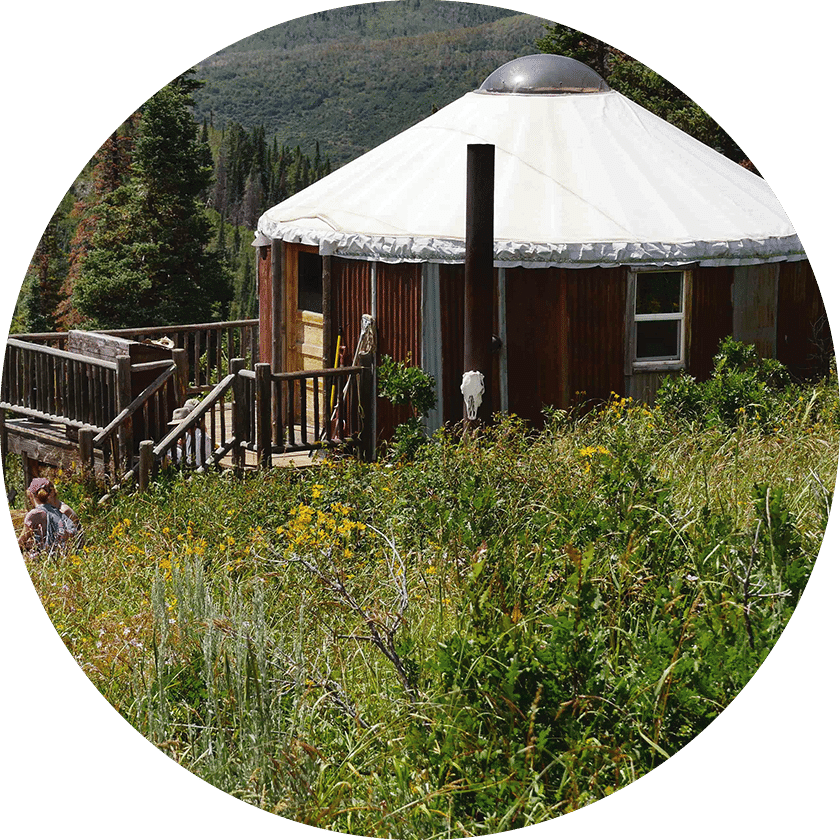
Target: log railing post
263	400
4	439
123	400
239	419
182	373
147	459
86	452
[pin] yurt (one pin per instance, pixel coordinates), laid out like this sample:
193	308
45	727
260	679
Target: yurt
623	250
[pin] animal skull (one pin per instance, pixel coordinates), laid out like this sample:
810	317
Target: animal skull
472	387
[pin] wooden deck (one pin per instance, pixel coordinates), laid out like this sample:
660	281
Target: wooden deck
94	405
41	442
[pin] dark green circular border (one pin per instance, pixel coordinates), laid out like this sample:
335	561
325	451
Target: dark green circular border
73	71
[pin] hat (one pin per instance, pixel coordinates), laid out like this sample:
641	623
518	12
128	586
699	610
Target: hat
39	484
179	415
191	404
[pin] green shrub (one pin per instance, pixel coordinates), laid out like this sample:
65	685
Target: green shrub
743	389
403	384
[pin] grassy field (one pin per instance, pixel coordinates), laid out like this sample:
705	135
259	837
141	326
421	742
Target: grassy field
502	630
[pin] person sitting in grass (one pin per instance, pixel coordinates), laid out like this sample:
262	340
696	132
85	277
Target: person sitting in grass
51	525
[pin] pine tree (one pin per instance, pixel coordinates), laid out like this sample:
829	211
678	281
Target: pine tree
42	285
244	304
149	263
111	169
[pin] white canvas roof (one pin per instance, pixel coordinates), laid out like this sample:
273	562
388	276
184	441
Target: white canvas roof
582	179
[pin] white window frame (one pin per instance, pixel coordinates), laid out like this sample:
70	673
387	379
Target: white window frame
647	364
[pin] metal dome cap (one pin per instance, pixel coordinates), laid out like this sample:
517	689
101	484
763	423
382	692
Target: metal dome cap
544	74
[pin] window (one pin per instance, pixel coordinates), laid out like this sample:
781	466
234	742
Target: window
310	286
658	332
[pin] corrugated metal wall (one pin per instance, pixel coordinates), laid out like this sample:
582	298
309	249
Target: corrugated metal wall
710	317
399	294
596	300
755	296
350	300
452	340
535	316
566	328
804	340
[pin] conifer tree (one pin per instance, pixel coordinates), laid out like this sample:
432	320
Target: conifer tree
42	286
111	169
244	304
149	263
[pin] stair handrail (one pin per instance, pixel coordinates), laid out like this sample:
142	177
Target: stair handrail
137	403
191	421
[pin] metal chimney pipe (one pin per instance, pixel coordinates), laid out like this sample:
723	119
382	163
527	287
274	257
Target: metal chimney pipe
478	271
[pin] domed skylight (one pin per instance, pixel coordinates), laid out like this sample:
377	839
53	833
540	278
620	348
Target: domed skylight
546	74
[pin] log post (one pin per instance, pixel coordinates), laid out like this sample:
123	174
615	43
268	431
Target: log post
30	469
147	459
182	372
4	439
123	400
239	418
86	452
328	338
263	399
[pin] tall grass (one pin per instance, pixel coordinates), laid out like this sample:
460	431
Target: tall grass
504	629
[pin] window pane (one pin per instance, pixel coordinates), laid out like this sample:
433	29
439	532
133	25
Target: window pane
659	293
310	296
657	340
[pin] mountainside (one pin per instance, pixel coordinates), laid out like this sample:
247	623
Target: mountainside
353	77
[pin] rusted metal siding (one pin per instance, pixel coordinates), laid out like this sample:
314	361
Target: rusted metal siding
804	341
452	340
264	295
399	329
754	306
350	300
595	302
535	326
710	317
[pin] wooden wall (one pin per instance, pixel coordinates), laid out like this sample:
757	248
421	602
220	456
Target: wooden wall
265	298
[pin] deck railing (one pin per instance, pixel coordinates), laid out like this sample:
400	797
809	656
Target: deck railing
305	410
256	411
209	347
61	387
147	415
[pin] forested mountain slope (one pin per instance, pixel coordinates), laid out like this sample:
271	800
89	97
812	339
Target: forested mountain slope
353	77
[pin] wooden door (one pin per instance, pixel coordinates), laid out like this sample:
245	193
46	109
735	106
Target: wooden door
304	308
304	318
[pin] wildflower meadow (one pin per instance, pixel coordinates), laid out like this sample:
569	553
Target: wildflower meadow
502	628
